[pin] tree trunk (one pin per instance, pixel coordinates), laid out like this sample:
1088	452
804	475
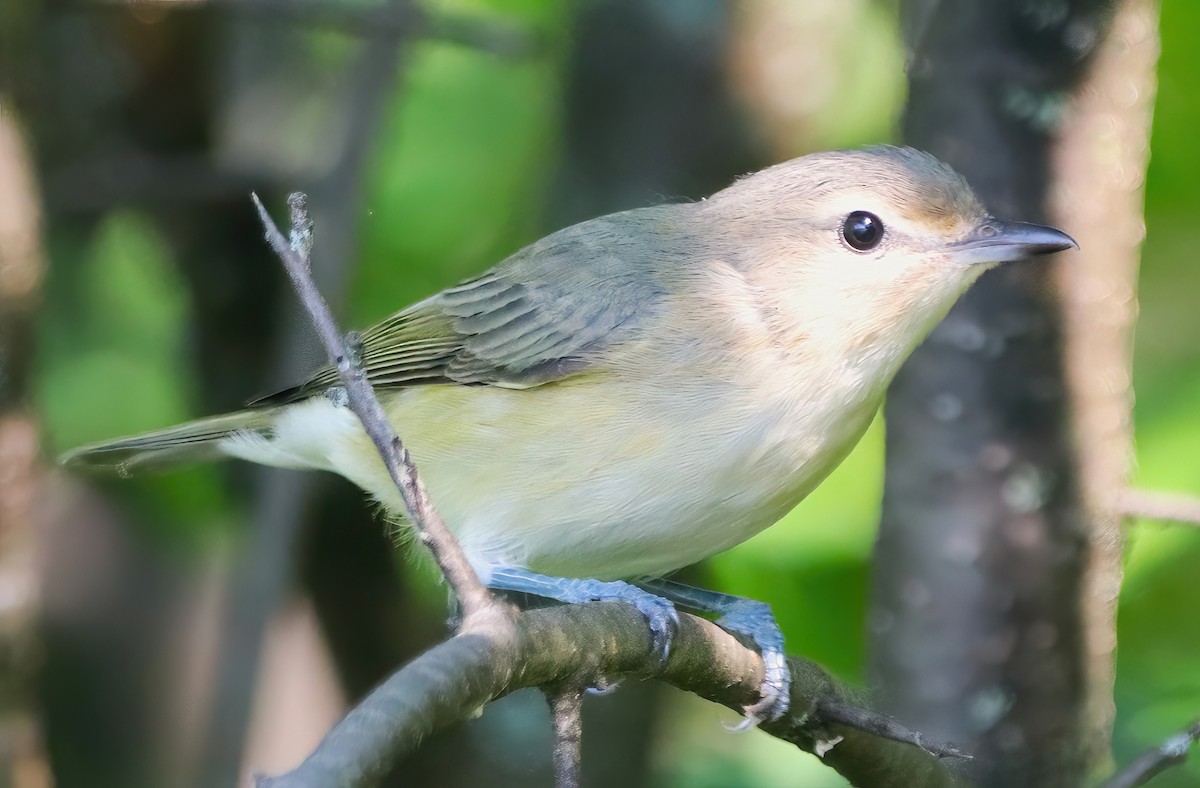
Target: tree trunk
978	628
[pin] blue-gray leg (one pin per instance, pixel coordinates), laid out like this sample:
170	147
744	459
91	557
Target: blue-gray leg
660	614
746	617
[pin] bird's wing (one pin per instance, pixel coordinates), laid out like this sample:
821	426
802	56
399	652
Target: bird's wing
515	326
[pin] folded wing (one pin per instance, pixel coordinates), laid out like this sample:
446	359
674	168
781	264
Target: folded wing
546	313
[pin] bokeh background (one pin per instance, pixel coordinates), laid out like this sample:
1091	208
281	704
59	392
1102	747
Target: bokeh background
432	145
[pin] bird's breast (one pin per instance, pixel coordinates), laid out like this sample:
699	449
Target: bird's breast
617	476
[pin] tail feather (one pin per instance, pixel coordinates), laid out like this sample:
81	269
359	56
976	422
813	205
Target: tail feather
195	441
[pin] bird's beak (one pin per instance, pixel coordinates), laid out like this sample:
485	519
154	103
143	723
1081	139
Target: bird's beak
995	241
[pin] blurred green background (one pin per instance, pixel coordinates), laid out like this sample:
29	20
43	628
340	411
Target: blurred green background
478	154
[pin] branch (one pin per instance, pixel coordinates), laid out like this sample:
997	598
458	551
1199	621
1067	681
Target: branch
476	600
1168	507
1172	752
868	721
575	645
258	582
1101	148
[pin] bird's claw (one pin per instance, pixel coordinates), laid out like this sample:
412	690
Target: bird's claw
775	693
755	620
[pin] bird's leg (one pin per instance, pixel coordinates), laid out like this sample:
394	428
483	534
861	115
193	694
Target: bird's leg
660	613
745	617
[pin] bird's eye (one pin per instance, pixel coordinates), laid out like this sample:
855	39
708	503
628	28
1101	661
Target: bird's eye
862	231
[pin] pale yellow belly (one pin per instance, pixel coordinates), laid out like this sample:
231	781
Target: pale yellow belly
590	478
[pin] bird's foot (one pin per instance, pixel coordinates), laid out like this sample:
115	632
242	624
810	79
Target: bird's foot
744	617
660	614
756	621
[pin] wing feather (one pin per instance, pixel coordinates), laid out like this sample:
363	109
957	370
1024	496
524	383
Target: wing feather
549	311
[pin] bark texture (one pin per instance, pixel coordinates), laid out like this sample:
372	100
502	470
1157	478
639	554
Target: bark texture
582	644
978	625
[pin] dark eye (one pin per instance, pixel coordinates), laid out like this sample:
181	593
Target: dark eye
863	231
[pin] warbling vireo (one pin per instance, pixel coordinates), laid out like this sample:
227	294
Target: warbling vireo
635	393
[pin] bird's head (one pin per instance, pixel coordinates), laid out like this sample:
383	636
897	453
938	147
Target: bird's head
867	247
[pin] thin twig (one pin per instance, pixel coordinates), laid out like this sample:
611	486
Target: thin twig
566	710
260	578
1168	507
870	721
1172	752
579	645
472	595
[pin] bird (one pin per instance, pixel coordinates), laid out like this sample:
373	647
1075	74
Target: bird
637	392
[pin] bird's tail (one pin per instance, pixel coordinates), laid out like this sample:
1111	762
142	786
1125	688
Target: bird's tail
195	441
